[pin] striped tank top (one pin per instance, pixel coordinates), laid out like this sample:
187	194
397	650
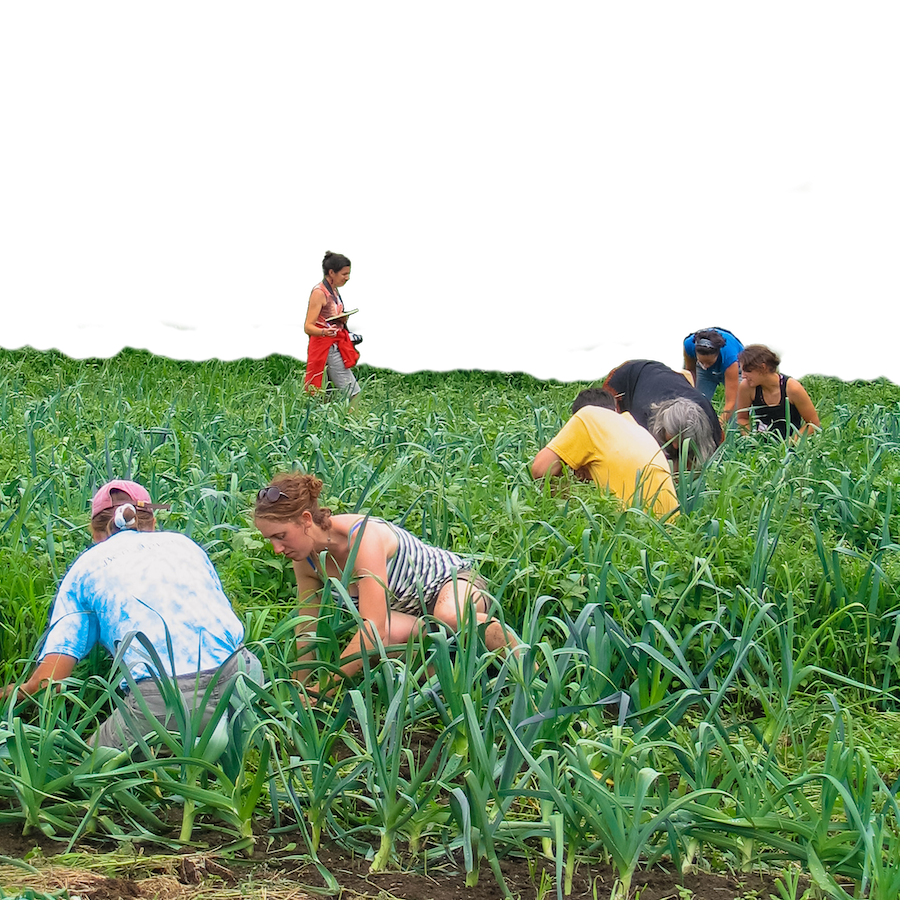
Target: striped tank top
417	571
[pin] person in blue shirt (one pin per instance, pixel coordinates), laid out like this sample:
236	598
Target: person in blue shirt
711	356
135	580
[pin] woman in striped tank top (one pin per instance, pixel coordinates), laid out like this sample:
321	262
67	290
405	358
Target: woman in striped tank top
396	578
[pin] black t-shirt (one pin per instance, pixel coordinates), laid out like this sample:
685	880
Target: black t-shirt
639	383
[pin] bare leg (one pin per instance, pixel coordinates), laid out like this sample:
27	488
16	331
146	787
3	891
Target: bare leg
455	601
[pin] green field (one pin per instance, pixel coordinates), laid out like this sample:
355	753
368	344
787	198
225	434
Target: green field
717	692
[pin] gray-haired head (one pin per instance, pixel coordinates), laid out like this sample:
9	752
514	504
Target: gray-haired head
674	422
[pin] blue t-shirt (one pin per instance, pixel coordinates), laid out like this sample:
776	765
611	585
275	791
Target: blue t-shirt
728	355
148	582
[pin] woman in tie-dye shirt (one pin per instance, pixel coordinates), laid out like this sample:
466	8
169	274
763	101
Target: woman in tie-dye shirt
137	581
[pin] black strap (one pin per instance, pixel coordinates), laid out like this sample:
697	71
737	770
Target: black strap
334	294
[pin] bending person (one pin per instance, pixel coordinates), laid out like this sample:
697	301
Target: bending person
396	578
663	401
613	450
160	584
775	400
331	346
711	356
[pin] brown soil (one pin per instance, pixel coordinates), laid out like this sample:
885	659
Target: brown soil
205	875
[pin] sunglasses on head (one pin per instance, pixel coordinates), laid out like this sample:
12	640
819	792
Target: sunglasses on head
271	494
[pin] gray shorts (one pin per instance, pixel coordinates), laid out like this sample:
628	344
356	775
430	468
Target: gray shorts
128	722
339	376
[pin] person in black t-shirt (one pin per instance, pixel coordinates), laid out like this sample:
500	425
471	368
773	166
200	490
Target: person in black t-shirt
665	402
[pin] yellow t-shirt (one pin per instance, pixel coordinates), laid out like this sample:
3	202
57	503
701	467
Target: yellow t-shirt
620	455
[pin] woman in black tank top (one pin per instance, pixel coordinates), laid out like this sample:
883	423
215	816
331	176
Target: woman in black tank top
779	403
772	417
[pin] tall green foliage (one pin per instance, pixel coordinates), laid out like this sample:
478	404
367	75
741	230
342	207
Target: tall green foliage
681	690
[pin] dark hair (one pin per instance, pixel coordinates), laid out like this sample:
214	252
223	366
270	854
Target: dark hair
711	335
758	356
297	493
593	396
136	518
333	262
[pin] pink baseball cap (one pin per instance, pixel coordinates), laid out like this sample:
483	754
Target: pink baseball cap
135	492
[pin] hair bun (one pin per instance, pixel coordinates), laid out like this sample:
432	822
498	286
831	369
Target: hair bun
313	485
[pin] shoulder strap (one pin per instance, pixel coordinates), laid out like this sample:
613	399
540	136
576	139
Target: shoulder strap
353	529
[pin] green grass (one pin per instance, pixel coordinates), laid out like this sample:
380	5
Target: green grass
709	681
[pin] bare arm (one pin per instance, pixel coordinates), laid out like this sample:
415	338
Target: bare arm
390	626
309	595
743	406
690	363
546	463
732	380
53	667
802	402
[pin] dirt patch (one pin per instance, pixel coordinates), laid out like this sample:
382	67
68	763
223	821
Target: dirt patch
110	888
528	879
173	877
16	845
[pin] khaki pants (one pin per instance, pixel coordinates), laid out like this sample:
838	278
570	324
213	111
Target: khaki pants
128	722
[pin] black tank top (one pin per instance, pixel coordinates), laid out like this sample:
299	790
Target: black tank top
772	418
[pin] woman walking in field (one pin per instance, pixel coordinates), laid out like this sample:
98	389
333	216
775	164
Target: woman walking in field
778	403
396	578
135	580
331	346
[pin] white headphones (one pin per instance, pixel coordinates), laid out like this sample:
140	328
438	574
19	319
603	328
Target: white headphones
119	518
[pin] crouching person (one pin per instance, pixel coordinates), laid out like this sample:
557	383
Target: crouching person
665	402
396	581
161	585
611	449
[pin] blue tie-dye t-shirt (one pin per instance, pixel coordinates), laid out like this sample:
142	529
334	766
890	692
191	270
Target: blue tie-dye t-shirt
148	582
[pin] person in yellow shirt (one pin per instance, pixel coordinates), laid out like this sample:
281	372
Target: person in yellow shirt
611	449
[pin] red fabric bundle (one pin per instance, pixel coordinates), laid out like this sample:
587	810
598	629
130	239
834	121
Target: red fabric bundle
317	355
